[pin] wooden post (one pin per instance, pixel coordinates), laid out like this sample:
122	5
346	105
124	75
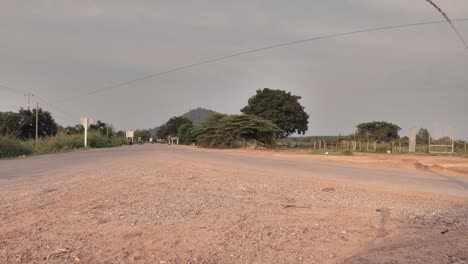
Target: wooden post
360	146
399	146
37	121
375	146
315	144
367	149
429	146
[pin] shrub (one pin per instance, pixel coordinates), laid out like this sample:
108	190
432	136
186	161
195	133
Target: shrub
54	144
12	147
96	140
236	130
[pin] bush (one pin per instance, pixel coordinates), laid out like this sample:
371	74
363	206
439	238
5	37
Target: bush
96	140
12	147
118	141
236	131
54	144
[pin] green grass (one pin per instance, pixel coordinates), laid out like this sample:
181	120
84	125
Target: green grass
13	147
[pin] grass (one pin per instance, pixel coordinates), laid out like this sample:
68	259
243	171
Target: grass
13	147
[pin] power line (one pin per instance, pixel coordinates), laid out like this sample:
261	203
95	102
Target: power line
158	74
40	98
449	21
13	90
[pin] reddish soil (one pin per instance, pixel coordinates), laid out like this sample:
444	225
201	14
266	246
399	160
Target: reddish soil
156	207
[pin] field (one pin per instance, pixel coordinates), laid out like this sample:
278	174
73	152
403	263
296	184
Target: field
175	204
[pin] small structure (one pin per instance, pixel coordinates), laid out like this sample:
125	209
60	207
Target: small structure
412	141
176	139
129	135
86	122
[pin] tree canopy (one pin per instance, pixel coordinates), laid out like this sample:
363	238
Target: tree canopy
187	133
422	137
171	127
228	131
280	107
143	133
23	124
382	131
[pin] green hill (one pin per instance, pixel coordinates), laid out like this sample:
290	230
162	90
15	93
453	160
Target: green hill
198	115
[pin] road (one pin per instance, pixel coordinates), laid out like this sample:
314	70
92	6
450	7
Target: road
392	178
179	204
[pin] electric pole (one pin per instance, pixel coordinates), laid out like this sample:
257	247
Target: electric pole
37	121
29	97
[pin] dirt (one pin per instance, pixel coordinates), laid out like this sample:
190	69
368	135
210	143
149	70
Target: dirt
152	208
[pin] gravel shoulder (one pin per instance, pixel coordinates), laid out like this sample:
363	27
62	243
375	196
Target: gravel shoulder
161	204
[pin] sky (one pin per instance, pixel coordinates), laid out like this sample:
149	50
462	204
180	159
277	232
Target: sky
60	50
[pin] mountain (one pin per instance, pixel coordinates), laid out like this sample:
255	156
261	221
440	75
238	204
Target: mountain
153	131
198	115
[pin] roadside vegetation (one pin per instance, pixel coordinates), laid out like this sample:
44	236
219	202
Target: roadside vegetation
269	115
17	135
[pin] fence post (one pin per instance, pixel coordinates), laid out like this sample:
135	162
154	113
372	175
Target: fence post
367	148
315	144
360	146
375	146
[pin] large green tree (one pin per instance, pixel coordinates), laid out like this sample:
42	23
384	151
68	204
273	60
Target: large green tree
422	137
280	107
382	131
228	131
143	133
23	124
187	133
171	127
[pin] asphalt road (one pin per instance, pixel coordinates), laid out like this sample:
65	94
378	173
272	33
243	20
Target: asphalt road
65	164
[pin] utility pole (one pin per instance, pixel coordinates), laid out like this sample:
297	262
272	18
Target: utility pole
37	121
29	97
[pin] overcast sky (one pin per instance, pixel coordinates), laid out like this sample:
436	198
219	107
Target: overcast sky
62	49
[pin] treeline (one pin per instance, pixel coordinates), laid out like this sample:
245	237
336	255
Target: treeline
268	116
18	132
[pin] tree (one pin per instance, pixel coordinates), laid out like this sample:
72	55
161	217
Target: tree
103	128
423	136
171	127
143	133
187	133
229	131
9	123
23	124
161	133
208	132
281	108
73	130
381	131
